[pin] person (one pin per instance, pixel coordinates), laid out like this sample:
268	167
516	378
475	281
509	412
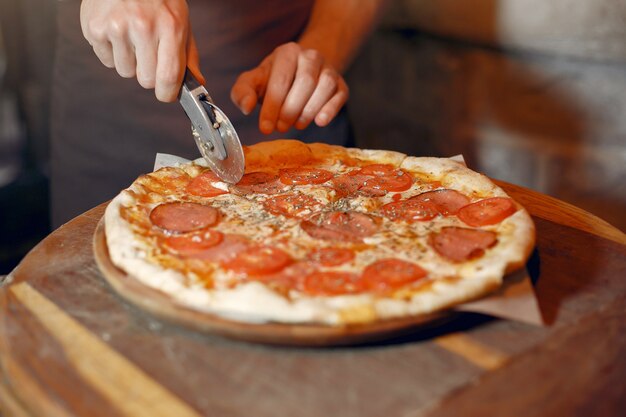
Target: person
275	68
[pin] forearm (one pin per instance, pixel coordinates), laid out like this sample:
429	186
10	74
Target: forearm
338	28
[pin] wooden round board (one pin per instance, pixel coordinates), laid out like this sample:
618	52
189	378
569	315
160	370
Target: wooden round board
164	307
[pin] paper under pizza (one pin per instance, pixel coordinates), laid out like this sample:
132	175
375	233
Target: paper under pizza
319	234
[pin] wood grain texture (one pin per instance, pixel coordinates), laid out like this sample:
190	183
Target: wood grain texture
471	365
560	212
119	381
475	352
9	405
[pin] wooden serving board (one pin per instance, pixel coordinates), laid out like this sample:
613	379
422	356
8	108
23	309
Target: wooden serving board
271	333
70	346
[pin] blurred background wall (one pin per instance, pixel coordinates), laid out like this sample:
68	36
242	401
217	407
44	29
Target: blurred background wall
529	91
26	53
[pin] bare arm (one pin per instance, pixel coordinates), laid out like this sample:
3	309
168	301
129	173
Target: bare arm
301	81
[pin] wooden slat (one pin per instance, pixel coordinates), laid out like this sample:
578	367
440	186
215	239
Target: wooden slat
31	393
560	212
134	392
578	372
9	405
475	352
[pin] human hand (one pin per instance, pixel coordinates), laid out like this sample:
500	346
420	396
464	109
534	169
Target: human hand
295	86
151	40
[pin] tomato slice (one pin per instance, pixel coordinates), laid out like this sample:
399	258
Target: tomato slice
386	178
349	183
259	260
331	256
202	185
409	211
391	274
292	205
192	243
301	176
332	283
378	170
487	212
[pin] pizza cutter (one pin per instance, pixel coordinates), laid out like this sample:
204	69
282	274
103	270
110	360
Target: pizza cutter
214	134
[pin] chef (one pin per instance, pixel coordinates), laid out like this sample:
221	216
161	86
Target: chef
275	68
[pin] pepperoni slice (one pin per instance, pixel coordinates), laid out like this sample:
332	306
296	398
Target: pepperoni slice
332	283
292	205
202	185
331	256
180	217
350	226
487	212
391	274
301	176
448	202
193	243
259	183
258	260
409	210
460	244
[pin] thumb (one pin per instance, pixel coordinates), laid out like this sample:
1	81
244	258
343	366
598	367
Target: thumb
193	59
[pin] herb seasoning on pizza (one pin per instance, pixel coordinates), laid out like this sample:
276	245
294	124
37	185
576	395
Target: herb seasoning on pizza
319	234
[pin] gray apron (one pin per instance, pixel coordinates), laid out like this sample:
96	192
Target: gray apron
106	130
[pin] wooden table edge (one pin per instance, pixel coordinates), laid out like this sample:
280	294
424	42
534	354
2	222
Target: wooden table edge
558	211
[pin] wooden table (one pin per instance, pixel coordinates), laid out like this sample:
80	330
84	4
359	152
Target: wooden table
71	347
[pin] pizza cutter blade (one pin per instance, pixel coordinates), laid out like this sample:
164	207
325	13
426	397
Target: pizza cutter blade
213	132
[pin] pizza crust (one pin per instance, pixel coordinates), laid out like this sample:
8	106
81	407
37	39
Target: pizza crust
253	302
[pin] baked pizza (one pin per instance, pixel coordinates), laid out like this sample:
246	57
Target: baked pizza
318	234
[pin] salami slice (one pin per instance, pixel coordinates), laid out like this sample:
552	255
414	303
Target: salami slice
181	217
487	212
345	226
302	176
292	205
448	202
259	183
391	274
460	244
202	185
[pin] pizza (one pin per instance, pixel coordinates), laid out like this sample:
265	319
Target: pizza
315	233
